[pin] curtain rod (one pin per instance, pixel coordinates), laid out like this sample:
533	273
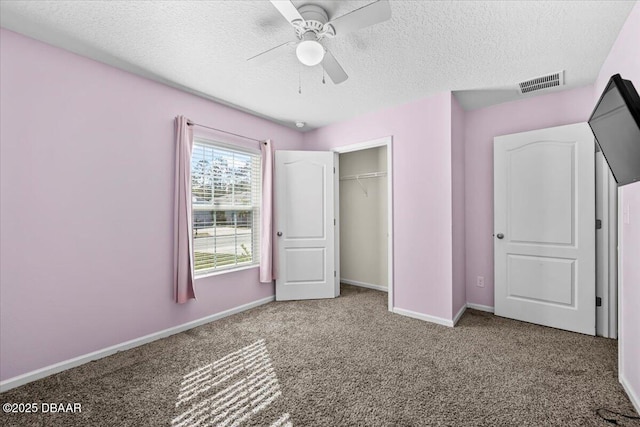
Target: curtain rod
190	123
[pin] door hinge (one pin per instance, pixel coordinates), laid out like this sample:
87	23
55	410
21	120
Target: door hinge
598	302
598	224
334	273
334	221
334	169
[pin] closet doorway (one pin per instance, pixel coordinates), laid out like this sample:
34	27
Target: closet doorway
364	205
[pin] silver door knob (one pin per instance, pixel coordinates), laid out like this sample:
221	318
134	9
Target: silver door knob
279	233
500	236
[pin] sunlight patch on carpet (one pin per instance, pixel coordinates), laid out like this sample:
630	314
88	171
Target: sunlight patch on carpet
230	390
283	421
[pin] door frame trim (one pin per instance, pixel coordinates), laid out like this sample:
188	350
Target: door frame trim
386	141
606	249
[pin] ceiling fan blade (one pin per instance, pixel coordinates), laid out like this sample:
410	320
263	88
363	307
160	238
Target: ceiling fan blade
370	14
333	68
289	11
272	53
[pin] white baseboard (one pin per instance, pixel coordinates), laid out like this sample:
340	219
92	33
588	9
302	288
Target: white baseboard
630	392
459	314
425	317
480	307
81	360
364	285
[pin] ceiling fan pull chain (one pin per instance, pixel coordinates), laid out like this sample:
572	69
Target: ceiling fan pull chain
323	82
299	82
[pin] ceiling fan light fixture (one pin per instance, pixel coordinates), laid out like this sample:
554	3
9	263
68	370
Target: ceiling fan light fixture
310	52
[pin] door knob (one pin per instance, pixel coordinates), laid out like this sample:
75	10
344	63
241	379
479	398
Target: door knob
279	233
500	236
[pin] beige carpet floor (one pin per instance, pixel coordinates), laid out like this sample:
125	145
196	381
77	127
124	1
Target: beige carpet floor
342	362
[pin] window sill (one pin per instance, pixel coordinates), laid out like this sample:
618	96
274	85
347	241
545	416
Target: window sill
225	271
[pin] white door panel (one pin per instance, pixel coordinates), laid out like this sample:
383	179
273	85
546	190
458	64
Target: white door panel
540	279
305	204
544	195
305	265
540	193
304	194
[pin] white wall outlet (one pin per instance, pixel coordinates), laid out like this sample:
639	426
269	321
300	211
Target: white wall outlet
480	282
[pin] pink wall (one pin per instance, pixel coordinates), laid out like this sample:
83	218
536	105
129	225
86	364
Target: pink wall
482	125
459	294
629	297
624	59
422	202
86	206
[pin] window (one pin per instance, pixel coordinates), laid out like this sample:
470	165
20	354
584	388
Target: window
225	191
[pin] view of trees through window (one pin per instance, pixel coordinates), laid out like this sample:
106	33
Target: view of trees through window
225	190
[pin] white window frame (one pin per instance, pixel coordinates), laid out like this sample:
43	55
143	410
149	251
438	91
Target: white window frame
255	208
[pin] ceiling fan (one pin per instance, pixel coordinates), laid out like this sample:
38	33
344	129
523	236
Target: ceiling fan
311	23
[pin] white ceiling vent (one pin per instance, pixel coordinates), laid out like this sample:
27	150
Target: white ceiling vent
540	83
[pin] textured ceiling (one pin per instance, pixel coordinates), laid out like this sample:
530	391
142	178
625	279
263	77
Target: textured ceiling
479	49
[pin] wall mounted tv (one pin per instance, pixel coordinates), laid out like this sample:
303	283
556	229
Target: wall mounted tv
615	122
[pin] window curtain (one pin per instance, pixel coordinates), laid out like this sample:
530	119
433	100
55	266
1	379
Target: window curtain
182	226
267	266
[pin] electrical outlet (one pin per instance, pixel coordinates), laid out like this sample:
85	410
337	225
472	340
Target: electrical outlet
480	282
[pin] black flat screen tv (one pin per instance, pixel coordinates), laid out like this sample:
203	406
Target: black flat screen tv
615	122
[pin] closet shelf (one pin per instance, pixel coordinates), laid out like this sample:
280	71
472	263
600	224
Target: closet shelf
363	176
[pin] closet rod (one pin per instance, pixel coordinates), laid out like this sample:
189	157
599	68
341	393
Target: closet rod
224	131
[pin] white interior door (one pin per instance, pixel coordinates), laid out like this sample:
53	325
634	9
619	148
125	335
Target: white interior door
544	225
305	224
